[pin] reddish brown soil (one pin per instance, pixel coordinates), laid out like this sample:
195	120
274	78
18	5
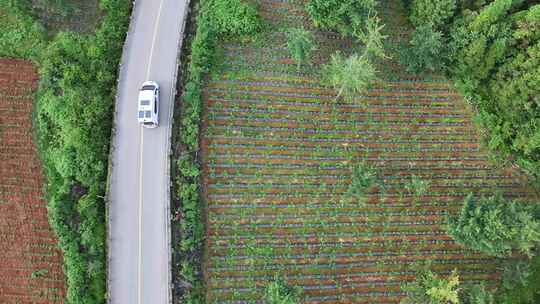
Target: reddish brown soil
31	263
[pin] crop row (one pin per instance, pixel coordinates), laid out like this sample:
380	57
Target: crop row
278	154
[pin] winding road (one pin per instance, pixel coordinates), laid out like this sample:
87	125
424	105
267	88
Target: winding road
139	232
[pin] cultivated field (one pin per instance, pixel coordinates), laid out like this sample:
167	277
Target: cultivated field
30	262
277	158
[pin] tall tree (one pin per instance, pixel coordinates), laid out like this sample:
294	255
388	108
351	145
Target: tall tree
353	75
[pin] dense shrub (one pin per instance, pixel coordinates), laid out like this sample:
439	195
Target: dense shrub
478	294
520	288
515	274
216	18
495	226
348	17
424	52
74	120
21	36
234	17
432	12
496	63
492	56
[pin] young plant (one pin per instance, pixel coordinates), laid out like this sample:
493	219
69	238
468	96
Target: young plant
280	292
363	178
417	187
300	44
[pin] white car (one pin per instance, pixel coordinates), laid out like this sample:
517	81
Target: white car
148	105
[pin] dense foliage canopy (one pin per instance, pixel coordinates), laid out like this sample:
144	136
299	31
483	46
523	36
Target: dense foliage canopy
347	17
494	60
21	35
424	51
495	226
74	121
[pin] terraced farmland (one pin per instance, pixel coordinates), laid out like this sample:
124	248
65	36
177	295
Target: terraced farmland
30	263
277	158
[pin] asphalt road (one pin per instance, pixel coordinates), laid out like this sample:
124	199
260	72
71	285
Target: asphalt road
139	233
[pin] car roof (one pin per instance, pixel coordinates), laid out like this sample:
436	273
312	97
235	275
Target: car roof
146	94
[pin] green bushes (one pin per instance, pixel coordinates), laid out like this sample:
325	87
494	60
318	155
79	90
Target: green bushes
520	288
478	294
348	17
20	36
431	288
501	228
495	226
74	120
495	63
492	56
358	19
353	75
434	13
349	76
234	17
216	18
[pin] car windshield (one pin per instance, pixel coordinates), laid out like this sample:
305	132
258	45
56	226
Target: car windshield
145	102
148	87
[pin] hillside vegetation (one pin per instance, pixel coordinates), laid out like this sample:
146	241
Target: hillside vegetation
73	120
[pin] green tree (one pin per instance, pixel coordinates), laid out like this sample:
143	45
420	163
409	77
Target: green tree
300	44
515	274
353	75
425	51
432	12
349	76
279	292
429	288
495	226
345	16
494	60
